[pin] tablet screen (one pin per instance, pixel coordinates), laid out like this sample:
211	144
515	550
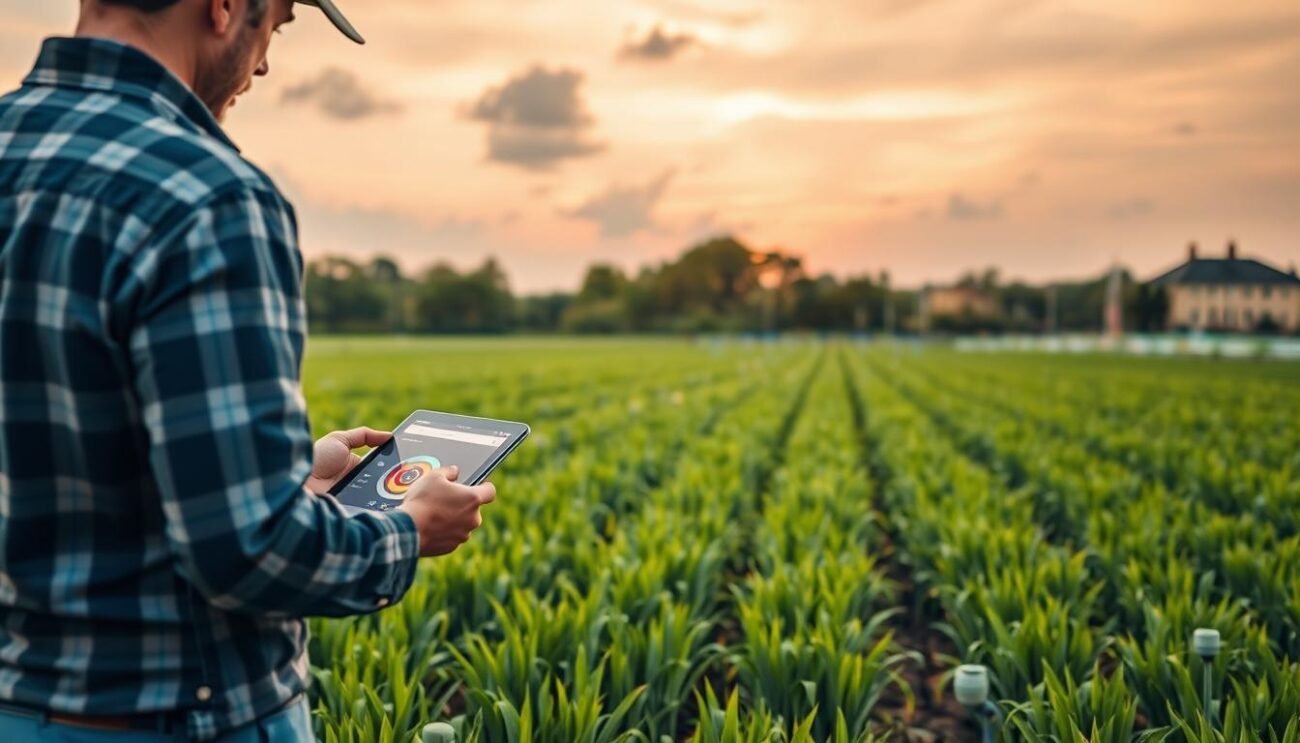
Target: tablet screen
422	444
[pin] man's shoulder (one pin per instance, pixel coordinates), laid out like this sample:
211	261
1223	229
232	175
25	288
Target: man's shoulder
126	142
200	168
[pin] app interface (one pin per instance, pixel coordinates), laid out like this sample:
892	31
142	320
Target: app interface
418	448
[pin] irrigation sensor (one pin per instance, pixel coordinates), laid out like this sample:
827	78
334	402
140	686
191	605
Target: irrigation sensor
971	687
1206	643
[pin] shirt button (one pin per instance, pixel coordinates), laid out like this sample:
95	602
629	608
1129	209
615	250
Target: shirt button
203	693
381	603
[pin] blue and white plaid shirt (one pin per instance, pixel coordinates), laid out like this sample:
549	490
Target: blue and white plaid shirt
158	549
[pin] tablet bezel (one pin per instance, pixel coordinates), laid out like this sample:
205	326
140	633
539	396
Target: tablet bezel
516	433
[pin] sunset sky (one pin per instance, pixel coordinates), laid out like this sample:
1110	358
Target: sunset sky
925	137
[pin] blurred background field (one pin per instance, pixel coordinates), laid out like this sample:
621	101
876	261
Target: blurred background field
798	540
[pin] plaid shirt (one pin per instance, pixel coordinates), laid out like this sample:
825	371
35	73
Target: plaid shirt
158	549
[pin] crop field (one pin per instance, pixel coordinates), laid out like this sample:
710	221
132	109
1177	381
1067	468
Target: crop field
800	541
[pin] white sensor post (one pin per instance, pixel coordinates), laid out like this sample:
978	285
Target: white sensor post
970	684
1206	643
438	732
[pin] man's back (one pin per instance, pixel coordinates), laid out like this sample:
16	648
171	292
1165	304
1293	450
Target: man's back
156	544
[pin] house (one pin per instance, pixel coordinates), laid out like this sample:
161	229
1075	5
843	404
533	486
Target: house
960	300
965	303
1230	294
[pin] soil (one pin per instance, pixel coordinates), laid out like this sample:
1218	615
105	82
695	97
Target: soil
936	715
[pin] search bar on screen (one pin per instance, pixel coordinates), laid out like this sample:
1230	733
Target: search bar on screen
416	429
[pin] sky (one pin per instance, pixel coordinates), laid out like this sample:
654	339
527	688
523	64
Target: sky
1048	138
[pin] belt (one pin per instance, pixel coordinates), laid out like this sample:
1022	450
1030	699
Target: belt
165	723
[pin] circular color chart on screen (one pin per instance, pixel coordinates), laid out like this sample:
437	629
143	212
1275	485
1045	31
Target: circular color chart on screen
403	475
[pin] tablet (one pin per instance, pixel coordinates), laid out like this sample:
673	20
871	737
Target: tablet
425	441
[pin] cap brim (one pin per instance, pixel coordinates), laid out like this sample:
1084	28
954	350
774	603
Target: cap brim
336	17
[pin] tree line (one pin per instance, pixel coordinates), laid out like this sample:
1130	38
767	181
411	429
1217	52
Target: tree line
720	285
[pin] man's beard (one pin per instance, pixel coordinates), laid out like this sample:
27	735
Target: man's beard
218	86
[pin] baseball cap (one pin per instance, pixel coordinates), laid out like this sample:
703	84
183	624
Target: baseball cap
336	17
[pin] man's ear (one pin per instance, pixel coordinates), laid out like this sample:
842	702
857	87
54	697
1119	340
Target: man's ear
222	15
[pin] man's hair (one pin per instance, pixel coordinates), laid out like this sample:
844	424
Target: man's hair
256	8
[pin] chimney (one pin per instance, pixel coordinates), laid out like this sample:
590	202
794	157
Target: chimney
1191	251
1232	250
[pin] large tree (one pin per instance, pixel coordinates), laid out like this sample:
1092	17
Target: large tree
343	297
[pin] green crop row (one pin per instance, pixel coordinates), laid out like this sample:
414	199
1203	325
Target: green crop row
768	541
1074	576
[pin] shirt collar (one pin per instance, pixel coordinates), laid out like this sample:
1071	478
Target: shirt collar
106	65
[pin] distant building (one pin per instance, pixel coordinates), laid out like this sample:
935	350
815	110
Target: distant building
956	302
1231	293
960	300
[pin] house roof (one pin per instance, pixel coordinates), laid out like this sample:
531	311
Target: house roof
1225	271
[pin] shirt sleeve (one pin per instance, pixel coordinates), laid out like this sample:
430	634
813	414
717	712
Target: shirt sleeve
216	345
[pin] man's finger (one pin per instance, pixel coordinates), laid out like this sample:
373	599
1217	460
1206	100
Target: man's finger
487	493
355	438
451	472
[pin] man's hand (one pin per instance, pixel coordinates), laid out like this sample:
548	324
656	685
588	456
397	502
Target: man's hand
445	511
333	457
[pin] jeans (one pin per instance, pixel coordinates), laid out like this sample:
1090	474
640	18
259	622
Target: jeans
290	725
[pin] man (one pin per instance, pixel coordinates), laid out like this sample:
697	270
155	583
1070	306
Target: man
161	529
